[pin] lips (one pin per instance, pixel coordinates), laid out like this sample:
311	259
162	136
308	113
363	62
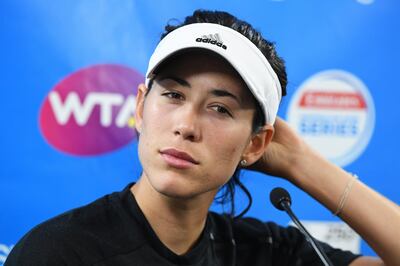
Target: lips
178	158
180	155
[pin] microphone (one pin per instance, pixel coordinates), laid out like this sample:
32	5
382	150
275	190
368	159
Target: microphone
281	200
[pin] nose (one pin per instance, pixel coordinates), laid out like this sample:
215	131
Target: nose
187	124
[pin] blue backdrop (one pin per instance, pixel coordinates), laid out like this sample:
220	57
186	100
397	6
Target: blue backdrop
45	42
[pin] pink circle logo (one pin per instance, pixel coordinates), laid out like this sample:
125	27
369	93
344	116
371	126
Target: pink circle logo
91	111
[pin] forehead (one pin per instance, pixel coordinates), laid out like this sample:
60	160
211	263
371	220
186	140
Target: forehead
198	60
195	62
192	64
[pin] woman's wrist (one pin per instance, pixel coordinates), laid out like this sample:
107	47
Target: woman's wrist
302	163
320	178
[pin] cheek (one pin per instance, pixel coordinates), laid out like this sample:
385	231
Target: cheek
225	155
151	128
228	146
152	118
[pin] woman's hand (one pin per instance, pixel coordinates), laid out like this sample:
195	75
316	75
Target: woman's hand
283	154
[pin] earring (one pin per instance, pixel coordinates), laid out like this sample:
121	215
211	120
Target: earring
243	162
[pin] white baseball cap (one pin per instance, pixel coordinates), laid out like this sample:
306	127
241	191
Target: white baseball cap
239	51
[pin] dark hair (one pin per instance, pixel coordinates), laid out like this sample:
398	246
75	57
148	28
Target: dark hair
267	48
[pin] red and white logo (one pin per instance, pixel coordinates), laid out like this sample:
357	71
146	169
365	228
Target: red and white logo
91	111
335	114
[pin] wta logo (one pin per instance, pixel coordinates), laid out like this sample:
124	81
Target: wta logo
91	111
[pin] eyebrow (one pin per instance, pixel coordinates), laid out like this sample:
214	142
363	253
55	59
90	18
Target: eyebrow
224	93
178	80
215	92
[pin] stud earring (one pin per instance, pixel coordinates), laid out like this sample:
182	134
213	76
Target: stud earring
243	162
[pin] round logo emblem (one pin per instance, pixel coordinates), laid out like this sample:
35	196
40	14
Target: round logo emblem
91	111
334	112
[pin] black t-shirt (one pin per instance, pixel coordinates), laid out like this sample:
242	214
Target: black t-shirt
113	231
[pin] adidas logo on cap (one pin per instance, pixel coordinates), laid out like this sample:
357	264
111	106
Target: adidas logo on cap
212	39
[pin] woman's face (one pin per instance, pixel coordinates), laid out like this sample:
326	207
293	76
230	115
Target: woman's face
195	125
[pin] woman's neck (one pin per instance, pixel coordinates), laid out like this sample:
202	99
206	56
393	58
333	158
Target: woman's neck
178	223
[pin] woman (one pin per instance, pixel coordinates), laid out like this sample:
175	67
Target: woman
208	108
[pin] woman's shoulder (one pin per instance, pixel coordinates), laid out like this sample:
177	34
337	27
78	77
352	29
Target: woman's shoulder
269	241
88	228
250	228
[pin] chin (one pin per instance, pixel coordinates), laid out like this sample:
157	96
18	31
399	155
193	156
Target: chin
176	189
176	186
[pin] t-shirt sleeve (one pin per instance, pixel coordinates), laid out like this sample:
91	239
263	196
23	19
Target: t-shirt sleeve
37	247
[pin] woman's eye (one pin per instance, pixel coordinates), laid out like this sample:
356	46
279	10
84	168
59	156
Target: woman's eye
222	110
173	95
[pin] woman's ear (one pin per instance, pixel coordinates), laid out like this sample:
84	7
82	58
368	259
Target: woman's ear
141	94
258	144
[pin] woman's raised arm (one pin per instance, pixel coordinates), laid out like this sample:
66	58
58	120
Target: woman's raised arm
371	215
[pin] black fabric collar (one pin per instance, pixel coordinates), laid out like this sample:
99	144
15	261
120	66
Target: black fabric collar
194	256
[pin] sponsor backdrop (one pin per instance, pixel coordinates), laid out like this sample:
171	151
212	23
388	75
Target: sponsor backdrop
70	69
